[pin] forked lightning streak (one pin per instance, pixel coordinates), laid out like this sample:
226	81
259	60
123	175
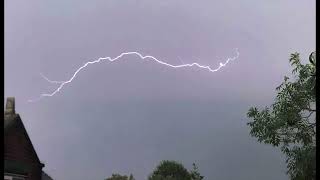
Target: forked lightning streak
62	83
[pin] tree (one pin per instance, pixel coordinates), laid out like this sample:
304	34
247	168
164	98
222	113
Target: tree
290	122
170	170
120	177
131	177
195	175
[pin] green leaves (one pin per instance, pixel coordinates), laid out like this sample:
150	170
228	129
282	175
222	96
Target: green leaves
167	170
195	175
172	170
120	177
312	58
288	122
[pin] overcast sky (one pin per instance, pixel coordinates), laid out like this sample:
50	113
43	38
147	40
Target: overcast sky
124	117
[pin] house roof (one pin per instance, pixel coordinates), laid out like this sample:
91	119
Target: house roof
11	119
45	176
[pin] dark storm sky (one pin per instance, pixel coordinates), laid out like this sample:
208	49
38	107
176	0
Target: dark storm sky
127	116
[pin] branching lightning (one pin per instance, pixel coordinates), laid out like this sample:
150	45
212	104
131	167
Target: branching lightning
63	83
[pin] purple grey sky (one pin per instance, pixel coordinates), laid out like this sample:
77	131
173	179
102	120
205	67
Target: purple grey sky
127	116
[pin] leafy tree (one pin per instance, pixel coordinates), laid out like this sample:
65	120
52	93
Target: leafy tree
131	177
195	175
120	177
160	177
290	122
170	170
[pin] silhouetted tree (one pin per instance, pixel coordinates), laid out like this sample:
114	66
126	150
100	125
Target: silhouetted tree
195	174
170	170
131	177
120	177
290	122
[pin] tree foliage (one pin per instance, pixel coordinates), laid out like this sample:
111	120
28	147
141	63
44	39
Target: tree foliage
166	170
290	123
120	177
172	170
194	173
131	177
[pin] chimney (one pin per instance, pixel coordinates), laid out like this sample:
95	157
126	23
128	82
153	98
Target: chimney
10	106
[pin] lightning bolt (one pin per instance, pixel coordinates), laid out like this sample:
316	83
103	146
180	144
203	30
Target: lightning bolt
63	83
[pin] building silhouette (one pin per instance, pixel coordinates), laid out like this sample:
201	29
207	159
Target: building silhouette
21	161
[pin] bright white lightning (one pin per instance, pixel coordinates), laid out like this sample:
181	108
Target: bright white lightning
62	83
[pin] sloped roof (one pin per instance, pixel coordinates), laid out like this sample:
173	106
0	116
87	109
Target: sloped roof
11	119
45	176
